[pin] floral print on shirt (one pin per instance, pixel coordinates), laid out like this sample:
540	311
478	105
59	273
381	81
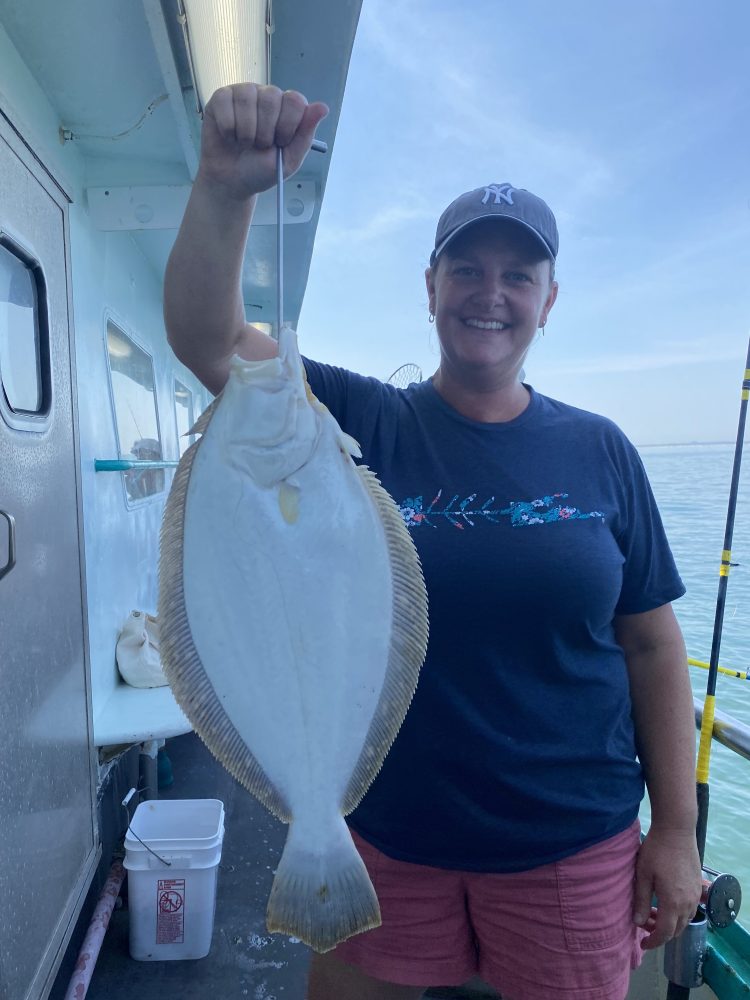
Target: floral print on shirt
469	511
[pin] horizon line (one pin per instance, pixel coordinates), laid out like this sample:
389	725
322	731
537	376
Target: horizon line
680	444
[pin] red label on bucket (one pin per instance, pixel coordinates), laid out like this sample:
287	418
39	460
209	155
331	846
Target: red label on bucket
170	911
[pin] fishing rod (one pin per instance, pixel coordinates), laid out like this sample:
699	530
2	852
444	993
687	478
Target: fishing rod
707	726
675	991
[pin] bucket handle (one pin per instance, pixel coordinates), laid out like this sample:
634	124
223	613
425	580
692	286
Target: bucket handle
130	830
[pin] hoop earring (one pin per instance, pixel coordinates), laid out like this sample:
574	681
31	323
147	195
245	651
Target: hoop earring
431	317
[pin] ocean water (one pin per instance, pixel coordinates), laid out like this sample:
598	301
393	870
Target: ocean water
691	485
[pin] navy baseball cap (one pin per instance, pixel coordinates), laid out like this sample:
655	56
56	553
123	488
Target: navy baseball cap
498	201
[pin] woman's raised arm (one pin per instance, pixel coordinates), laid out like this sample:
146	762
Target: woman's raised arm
203	309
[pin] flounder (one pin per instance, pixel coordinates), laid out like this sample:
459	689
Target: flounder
293	623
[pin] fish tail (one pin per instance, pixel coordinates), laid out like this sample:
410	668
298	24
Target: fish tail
322	896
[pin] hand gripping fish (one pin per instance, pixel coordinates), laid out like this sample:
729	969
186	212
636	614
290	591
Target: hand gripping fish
293	623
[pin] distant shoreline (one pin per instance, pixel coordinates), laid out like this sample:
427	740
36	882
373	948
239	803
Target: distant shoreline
682	444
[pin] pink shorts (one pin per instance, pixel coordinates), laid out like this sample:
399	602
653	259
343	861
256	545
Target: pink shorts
563	931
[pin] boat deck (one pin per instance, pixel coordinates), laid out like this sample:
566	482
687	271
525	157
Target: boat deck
245	960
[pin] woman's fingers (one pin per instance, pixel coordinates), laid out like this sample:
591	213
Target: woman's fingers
299	146
663	930
220	112
245	112
269	109
243	125
293	107
262	117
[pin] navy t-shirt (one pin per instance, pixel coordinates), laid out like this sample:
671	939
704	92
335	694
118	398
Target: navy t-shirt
518	748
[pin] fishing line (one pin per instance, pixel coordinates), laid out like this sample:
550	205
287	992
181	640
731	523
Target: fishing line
317	146
279	240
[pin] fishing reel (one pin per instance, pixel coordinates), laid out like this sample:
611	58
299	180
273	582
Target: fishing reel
721	898
720	903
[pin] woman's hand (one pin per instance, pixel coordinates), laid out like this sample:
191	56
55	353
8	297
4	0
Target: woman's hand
243	124
667	867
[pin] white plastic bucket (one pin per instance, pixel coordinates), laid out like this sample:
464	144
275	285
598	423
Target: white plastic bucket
172	904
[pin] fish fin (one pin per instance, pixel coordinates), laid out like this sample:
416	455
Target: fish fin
289	501
182	664
349	446
325	897
202	422
312	399
409	631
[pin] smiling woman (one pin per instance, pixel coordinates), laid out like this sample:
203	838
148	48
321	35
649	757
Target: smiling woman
490	290
549	588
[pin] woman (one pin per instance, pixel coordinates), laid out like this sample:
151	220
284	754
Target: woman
501	834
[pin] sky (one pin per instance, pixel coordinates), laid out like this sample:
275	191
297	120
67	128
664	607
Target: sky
632	120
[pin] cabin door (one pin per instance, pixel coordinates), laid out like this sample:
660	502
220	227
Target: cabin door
48	835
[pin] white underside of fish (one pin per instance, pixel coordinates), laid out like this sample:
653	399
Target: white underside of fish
293	625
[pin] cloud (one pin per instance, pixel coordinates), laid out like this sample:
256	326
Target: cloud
471	108
386	222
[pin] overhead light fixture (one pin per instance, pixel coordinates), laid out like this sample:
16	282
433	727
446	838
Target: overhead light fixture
228	41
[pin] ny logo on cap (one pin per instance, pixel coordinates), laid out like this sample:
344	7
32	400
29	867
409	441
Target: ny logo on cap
502	192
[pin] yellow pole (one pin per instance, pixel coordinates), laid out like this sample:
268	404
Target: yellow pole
743	675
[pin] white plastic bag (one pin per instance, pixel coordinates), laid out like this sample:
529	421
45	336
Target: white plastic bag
137	652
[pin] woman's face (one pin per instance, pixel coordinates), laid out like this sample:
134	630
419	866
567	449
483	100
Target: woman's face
490	291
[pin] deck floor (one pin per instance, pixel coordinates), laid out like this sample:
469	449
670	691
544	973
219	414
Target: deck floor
245	960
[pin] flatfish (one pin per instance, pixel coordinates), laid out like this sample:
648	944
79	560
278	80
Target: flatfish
293	623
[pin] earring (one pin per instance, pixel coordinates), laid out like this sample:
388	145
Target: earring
542	328
431	317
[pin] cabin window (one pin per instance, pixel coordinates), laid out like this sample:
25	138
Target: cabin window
184	414
23	334
136	418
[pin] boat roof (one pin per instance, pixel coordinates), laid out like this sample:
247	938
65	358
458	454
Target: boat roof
118	76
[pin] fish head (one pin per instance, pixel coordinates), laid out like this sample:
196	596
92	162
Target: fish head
270	426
